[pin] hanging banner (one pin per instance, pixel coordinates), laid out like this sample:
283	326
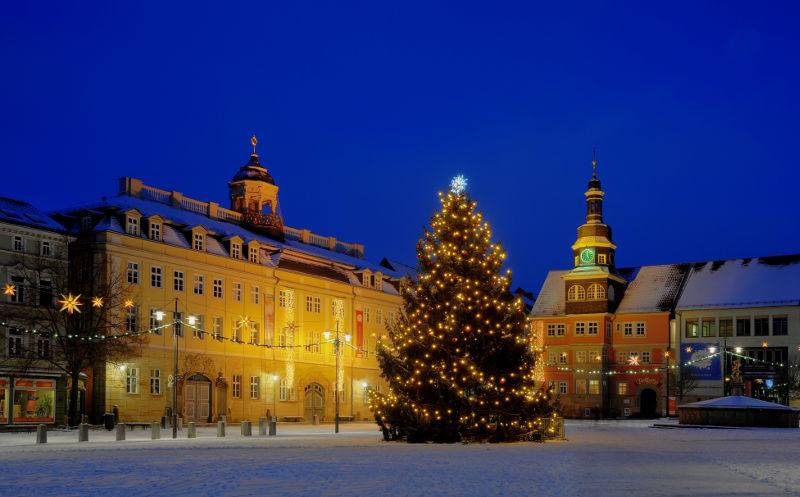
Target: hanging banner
702	363
359	333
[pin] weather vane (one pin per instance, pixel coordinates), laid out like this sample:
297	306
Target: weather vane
458	184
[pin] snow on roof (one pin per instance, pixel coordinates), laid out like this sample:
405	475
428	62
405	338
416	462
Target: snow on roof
174	237
109	223
409	272
737	402
550	301
223	229
214	247
653	289
19	212
762	282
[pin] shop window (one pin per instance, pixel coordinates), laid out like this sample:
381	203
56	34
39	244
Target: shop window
34	401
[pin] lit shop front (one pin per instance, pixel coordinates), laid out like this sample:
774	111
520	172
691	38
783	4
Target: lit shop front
34	400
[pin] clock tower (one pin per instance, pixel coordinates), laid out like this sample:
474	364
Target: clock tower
593	284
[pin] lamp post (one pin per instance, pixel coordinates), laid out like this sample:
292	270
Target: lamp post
667	353
336	351
175	324
347	339
274	395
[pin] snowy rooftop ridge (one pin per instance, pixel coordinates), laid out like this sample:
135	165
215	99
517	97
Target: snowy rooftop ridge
19	212
653	288
737	402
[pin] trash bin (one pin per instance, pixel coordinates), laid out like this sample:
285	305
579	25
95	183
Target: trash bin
108	420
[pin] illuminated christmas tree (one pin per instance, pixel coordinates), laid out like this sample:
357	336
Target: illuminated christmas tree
458	362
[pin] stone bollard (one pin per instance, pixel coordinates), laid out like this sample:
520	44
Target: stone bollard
180	424
314	420
223	418
192	430
247	429
262	427
273	426
41	434
83	432
220	428
156	433
120	432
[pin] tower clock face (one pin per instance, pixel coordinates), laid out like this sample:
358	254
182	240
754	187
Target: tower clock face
587	256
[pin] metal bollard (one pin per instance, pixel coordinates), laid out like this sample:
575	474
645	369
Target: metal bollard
315	420
192	430
273	426
156	433
262	427
220	428
246	429
83	432
120	432
223	418
41	434
180	424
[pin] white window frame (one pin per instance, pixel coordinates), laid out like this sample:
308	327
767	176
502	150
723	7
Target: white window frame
593	329
236	250
155	231
627	329
156	277
580	328
199	284
46	249
562	388
641	328
178	281
255	294
131	380
198	241
132	273
132	226
237	291
646	357
218	325
253	255
236	386
255	387
216	288
155	382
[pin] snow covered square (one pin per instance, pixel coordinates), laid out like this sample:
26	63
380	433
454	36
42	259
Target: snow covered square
607	458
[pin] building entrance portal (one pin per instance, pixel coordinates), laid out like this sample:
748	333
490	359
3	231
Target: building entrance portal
647	403
197	398
314	402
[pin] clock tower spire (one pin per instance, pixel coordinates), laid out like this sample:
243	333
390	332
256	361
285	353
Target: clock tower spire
593	282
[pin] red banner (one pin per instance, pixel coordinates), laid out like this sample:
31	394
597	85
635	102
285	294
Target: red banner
44	384
3	383
359	333
24	383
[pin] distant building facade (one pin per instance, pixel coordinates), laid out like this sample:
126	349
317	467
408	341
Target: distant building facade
624	341
253	300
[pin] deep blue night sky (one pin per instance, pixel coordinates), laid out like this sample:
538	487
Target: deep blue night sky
365	111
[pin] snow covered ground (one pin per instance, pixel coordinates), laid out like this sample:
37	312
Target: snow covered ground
602	458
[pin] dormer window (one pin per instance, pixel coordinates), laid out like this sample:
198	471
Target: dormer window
155	231
199	241
236	250
367	280
132	225
86	223
254	255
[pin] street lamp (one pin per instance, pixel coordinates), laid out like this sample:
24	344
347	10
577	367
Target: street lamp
274	395
192	320
336	349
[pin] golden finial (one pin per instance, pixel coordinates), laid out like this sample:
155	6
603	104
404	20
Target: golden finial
254	141
594	162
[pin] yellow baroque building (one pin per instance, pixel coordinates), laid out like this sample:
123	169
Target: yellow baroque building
261	296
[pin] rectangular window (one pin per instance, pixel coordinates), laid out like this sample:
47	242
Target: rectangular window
46	293
255	333
761	327
237	292
254	387
281	298
286	393
155	382
236	386
562	387
726	327
580	328
255	294
622	388
154	323
743	327
133	273
155	232
131	318
561	329
19	244
552	357
641	329
236	331
601	258
47	249
596	357
646	357
707	328
155	277
580	387
593	328
626	411
199	284
198	238
692	329
132	380
622	358
594	387
365	399
86	223
313	340
15	343
236	250
562	357
390	319
366	314
780	325
133	226
582	356
254	255
177	281
313	304
378	316
177	327
217	289
627	329
217	328
43	345
199	327
551	330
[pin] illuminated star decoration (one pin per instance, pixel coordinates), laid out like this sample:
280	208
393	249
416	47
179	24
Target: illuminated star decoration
97	302
10	290
70	303
634	360
245	322
458	184
128	304
688	350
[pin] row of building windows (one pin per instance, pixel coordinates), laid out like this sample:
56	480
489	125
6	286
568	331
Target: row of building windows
596	357
19	244
591	328
198	283
41	294
595	291
22	345
745	326
592	387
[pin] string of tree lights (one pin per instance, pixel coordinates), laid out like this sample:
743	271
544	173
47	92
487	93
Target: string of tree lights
459	364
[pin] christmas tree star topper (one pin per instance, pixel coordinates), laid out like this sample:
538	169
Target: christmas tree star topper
458	184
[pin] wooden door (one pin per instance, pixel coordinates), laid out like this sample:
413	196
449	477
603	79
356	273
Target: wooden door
189	396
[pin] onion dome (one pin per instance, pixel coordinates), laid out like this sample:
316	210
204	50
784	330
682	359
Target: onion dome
253	170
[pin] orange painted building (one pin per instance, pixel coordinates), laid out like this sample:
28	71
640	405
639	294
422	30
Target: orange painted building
602	332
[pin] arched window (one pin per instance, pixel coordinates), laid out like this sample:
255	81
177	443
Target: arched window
576	292
596	292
